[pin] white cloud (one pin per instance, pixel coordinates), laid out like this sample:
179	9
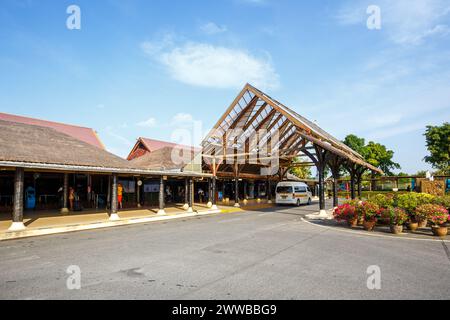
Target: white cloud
149	123
182	118
206	65
405	22
211	28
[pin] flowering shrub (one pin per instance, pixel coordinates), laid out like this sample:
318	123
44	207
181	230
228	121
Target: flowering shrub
437	214
398	216
383	201
443	201
344	212
385	215
368	210
410	201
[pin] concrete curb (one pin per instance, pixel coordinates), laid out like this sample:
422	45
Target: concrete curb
10	235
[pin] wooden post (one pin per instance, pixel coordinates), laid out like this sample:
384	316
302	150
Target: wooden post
213	192
210	196
65	208
352	186
138	193
191	195
236	192
321	187
269	190
17	216
114	203
186	194
161	210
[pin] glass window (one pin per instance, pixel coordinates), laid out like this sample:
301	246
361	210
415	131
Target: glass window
284	190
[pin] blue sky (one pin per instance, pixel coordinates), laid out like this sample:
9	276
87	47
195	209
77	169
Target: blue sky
143	68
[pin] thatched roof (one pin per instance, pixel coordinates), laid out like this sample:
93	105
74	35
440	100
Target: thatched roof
163	159
36	144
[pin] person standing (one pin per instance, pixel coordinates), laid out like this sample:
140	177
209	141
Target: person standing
71	198
120	195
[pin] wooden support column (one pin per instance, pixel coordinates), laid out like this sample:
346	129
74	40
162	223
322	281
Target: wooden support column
359	184
214	192
321	170
161	210
108	196
17	216
320	159
269	190
335	164
138	192
65	204
215	167
114	203
210	196
236	186
191	195
186	194
352	186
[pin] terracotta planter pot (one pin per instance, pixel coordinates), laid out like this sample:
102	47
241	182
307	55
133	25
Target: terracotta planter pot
413	226
396	229
353	223
369	225
423	224
439	231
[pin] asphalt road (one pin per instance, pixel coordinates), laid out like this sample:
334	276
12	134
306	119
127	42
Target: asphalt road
250	255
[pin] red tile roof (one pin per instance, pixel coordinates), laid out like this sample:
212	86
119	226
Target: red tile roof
84	134
146	145
153	145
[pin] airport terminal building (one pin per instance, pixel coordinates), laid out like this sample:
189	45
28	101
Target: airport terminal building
46	166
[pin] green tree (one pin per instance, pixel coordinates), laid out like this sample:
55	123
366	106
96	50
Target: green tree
438	145
379	156
374	153
302	172
355	143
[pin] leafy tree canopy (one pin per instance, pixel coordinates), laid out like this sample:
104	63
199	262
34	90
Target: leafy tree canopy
355	143
302	172
438	144
374	153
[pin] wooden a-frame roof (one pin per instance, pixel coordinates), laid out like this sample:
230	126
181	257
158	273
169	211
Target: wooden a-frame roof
253	110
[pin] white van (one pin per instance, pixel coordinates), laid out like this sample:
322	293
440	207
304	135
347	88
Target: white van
290	192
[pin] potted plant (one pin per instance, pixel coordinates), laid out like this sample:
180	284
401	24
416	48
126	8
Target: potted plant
398	217
384	202
437	215
346	212
370	212
409	202
384	216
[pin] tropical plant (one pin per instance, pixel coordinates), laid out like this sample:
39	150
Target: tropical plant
436	214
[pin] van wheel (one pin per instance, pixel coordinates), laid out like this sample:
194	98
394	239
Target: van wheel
298	203
309	201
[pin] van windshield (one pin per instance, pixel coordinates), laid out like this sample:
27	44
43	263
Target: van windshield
284	189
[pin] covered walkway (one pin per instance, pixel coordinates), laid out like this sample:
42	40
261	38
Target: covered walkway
261	138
